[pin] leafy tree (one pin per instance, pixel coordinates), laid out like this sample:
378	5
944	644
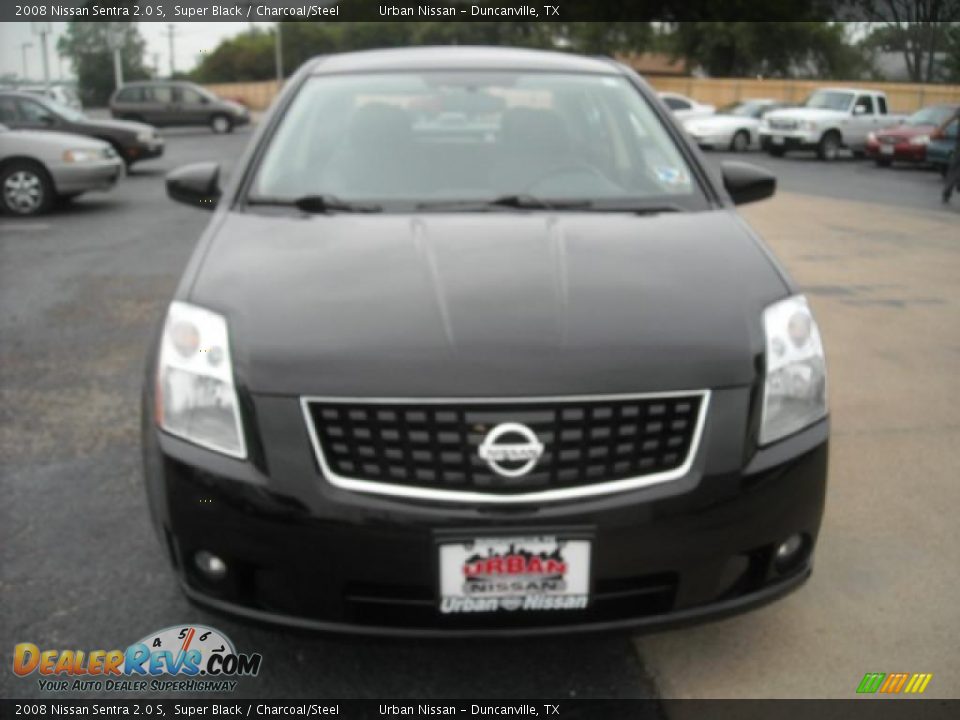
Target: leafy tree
773	49
920	29
87	45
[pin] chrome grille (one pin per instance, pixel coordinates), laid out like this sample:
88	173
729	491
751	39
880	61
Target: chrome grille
431	448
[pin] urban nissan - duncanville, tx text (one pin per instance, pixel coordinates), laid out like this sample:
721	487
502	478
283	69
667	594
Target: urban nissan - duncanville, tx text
474	344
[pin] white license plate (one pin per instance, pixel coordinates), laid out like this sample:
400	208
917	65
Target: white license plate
535	573
886	149
777	140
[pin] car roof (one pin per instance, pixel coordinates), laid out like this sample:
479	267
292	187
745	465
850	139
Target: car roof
460	57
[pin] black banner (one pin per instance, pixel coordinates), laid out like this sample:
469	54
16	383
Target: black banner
426	10
858	709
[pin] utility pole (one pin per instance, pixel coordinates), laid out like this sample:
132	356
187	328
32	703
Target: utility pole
171	29
43	29
278	47
23	48
115	40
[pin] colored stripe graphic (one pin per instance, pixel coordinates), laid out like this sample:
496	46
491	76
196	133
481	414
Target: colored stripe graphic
893	683
918	683
871	682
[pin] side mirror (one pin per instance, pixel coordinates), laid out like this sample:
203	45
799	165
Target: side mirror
197	184
747	183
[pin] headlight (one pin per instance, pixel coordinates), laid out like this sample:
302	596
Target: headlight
920	140
81	156
145	136
196	398
795	390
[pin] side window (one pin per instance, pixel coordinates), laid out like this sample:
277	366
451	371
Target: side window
881	104
34	113
159	94
865	102
8	111
131	94
188	95
675	103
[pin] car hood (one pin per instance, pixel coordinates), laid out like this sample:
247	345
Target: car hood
712	123
907	131
53	140
127	126
496	304
804	113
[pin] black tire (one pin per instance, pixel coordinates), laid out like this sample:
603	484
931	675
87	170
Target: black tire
221	124
25	189
828	148
776	151
740	142
883	162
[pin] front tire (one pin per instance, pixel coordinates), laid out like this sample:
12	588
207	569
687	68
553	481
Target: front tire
740	141
829	146
221	124
25	189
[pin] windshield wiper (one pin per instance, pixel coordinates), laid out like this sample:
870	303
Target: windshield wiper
318	204
520	201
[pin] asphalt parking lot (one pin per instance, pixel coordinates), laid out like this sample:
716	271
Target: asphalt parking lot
81	290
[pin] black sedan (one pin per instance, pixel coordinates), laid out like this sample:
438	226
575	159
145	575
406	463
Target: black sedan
133	141
474	344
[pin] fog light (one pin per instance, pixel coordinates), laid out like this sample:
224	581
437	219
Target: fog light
210	565
789	552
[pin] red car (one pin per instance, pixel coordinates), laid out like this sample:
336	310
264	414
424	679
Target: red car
908	141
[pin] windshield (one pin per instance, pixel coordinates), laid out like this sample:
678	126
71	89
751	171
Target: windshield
64	110
931	115
830	100
428	137
744	109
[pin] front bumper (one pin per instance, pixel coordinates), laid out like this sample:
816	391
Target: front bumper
789	139
83	177
306	554
900	152
144	150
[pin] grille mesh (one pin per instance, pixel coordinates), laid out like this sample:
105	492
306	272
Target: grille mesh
436	446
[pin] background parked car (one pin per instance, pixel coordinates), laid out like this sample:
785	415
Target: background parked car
685	108
132	141
63	94
37	168
908	141
735	126
177	103
830	119
941	147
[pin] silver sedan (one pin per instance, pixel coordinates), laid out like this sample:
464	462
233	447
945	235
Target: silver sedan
37	168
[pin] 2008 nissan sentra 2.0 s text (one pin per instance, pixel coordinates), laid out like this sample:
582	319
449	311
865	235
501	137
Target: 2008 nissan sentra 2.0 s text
475	344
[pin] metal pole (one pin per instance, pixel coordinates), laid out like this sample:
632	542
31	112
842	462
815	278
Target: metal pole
24	47
46	60
171	28
278	47
117	68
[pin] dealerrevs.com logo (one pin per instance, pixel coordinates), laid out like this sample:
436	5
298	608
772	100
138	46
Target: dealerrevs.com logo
202	659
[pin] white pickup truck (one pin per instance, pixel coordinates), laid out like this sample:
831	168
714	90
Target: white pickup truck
831	118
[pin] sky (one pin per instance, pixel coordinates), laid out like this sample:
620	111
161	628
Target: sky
190	41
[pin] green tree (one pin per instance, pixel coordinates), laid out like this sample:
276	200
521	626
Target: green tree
86	44
772	49
919	29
